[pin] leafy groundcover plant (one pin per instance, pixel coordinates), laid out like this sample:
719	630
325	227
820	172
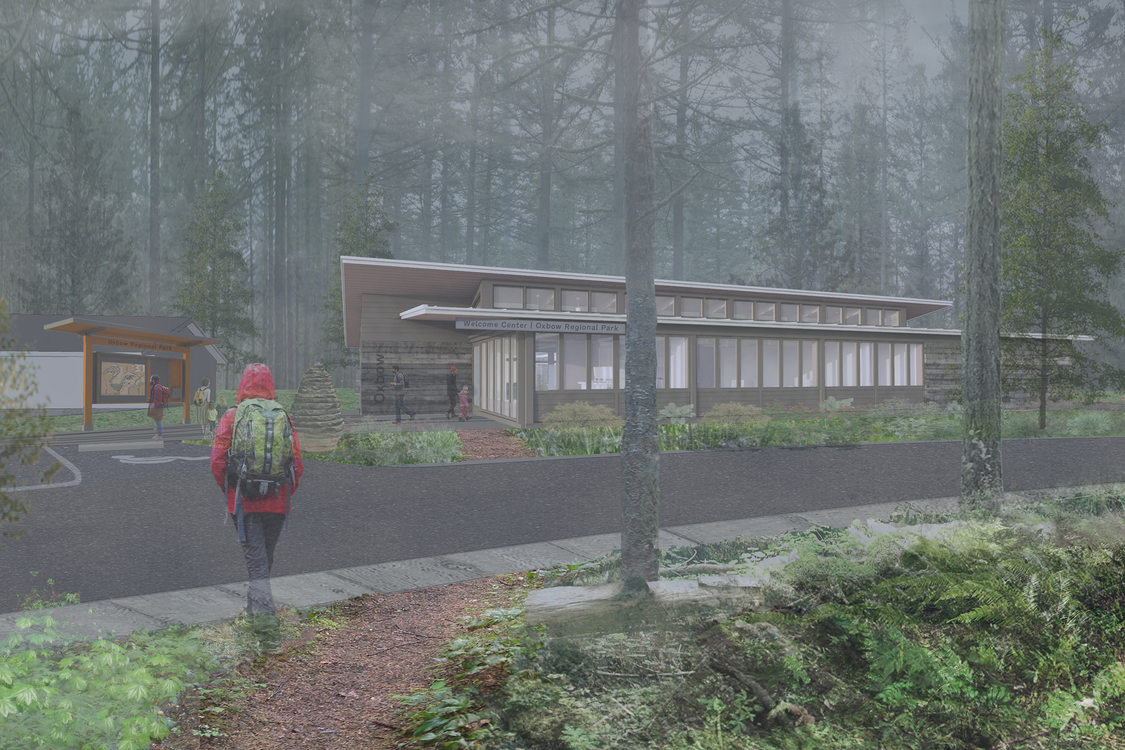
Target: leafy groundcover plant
102	694
951	632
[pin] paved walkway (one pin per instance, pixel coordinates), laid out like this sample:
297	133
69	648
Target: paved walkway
210	604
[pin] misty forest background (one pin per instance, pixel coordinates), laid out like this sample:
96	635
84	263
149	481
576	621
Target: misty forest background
808	144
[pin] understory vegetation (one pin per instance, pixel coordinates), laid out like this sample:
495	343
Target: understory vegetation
836	423
394	448
941	631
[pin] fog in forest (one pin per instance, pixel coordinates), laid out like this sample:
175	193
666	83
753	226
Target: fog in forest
213	158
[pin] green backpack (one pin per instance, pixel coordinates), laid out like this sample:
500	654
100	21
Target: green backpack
260	457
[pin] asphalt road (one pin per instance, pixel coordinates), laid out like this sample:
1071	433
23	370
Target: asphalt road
157	522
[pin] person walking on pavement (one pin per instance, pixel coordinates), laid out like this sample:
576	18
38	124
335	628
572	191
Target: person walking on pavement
263	518
398	385
157	398
451	391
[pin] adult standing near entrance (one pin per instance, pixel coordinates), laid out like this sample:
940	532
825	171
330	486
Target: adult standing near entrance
157	397
399	386
263	517
200	400
451	391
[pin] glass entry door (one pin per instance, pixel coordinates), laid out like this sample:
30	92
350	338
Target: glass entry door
499	375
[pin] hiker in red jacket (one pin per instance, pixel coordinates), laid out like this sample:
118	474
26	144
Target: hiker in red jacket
157	398
262	518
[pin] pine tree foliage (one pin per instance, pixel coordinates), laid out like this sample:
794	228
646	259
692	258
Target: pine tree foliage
1056	267
214	286
23	428
363	231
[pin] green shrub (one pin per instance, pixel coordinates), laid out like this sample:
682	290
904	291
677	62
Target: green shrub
573	441
735	412
1020	424
1090	423
394	448
581	414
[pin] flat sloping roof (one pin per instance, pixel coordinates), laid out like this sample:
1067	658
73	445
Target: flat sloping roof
56	333
455	285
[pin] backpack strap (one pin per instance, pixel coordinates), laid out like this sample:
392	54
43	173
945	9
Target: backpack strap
238	514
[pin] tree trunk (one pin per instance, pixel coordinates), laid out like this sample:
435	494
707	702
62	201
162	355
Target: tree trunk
547	137
364	80
640	450
681	156
154	163
981	481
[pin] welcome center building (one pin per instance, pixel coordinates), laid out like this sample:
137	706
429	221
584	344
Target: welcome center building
527	341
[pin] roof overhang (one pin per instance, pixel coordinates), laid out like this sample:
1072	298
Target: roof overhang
437	313
454	285
125	336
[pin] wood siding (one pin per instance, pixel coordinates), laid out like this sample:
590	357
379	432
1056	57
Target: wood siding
423	351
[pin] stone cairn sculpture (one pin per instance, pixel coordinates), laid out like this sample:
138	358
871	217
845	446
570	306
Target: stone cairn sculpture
316	411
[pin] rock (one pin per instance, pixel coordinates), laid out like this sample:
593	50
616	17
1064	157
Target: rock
572	610
316	411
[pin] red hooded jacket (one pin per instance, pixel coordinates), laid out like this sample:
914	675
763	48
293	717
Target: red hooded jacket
257	382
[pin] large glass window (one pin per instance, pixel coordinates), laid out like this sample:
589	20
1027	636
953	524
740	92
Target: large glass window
661	361
716	308
665	306
691	307
507	297
771	363
872	317
603	302
749	368
742	309
575	301
902	376
890	317
833	314
831	364
790	364
808	364
917	365
849	362
495	370
866	362
677	361
764	310
787	312
884	366
540	299
574	361
601	363
546	362
705	362
810	313
852	316
728	363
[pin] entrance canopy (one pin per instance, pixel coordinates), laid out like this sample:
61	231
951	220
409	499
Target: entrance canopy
107	380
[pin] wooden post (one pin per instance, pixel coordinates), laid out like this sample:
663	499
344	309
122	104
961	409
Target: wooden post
88	383
187	389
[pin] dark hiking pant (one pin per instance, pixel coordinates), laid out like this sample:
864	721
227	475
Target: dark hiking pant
262	532
400	406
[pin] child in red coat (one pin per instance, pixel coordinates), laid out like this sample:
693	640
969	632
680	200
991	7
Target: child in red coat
463	398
